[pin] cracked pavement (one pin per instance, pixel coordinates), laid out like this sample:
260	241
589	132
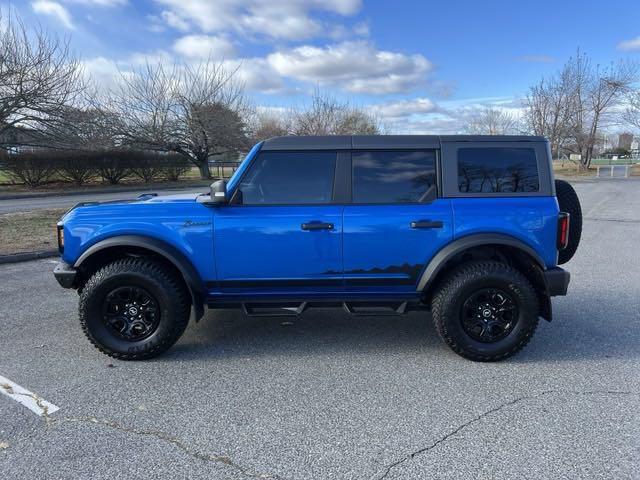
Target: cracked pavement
332	396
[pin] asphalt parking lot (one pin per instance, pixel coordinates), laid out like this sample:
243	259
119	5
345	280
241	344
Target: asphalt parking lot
332	396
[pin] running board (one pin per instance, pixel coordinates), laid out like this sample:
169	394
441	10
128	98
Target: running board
375	308
266	309
356	307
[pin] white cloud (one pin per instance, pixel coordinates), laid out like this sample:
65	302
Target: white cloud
354	66
99	3
175	21
361	29
286	19
402	109
55	10
257	75
102	71
630	45
204	46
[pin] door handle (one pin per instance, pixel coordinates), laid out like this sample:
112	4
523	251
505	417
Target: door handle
426	224
317	226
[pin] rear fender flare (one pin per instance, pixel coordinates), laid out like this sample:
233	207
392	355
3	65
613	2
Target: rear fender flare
440	259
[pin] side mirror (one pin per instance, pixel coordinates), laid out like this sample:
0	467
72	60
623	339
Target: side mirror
217	194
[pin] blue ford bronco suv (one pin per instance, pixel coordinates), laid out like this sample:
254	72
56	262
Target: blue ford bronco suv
471	228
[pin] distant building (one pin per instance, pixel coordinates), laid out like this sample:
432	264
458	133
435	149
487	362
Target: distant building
625	140
21	140
635	149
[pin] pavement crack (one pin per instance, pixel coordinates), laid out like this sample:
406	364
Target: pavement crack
184	447
38	400
389	467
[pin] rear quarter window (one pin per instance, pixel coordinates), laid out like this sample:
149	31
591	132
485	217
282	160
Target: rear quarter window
497	170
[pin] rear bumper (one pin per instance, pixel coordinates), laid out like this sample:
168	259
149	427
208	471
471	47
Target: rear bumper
557	281
65	274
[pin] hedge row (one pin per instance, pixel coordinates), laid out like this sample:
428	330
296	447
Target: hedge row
79	167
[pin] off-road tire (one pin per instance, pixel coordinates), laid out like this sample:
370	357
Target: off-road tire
569	202
459	285
161	282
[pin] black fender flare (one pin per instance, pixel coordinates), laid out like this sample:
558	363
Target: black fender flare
170	253
475	240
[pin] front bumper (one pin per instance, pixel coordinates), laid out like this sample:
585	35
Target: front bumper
557	281
65	274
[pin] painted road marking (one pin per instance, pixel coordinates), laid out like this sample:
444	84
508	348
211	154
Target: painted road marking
33	402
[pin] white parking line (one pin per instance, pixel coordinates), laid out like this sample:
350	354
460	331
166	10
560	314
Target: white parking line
33	402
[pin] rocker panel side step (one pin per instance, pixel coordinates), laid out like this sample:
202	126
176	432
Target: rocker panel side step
375	308
270	309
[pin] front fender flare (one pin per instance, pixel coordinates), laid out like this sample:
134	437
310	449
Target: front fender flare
165	250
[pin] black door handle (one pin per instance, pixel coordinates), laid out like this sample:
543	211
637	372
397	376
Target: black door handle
317	226
426	224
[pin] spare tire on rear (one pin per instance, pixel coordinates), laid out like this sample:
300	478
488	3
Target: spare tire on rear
569	202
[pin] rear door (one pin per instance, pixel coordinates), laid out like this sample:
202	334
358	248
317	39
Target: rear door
396	221
283	228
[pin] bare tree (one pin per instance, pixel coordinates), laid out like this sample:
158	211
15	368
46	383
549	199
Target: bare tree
39	80
550	109
198	111
268	124
632	113
492	121
328	116
606	89
572	107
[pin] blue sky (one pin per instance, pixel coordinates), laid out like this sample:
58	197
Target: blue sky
420	65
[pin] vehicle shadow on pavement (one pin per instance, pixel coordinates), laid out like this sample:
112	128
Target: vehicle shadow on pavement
583	329
227	333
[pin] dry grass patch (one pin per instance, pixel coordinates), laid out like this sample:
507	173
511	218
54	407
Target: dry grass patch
29	231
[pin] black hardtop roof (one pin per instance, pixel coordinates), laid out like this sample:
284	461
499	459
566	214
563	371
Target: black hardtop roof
347	142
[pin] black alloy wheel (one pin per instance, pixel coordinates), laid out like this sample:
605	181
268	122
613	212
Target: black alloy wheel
131	312
489	315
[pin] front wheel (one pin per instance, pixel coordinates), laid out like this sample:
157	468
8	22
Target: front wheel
485	311
134	308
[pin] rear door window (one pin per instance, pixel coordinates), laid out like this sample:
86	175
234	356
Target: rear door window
497	170
394	176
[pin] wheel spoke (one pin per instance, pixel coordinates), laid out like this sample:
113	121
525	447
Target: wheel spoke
131	312
489	315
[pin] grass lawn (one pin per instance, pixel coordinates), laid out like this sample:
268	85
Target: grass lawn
571	169
29	231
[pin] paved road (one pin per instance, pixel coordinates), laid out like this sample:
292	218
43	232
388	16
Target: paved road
338	397
65	201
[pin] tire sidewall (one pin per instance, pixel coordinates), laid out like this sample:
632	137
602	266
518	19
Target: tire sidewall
527	315
102	335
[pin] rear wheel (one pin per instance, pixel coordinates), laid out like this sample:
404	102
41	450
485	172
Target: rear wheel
134	309
569	202
485	311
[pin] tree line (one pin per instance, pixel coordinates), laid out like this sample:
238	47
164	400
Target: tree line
187	113
189	110
572	107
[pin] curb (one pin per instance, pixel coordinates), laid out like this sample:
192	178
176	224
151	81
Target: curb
27	256
141	188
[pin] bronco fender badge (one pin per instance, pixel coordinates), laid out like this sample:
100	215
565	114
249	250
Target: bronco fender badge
191	223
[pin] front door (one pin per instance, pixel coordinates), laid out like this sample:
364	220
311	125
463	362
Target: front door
282	230
396	222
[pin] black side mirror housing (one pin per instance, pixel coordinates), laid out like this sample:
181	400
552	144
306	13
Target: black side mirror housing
217	194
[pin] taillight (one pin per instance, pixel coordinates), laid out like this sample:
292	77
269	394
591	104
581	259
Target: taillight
563	230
